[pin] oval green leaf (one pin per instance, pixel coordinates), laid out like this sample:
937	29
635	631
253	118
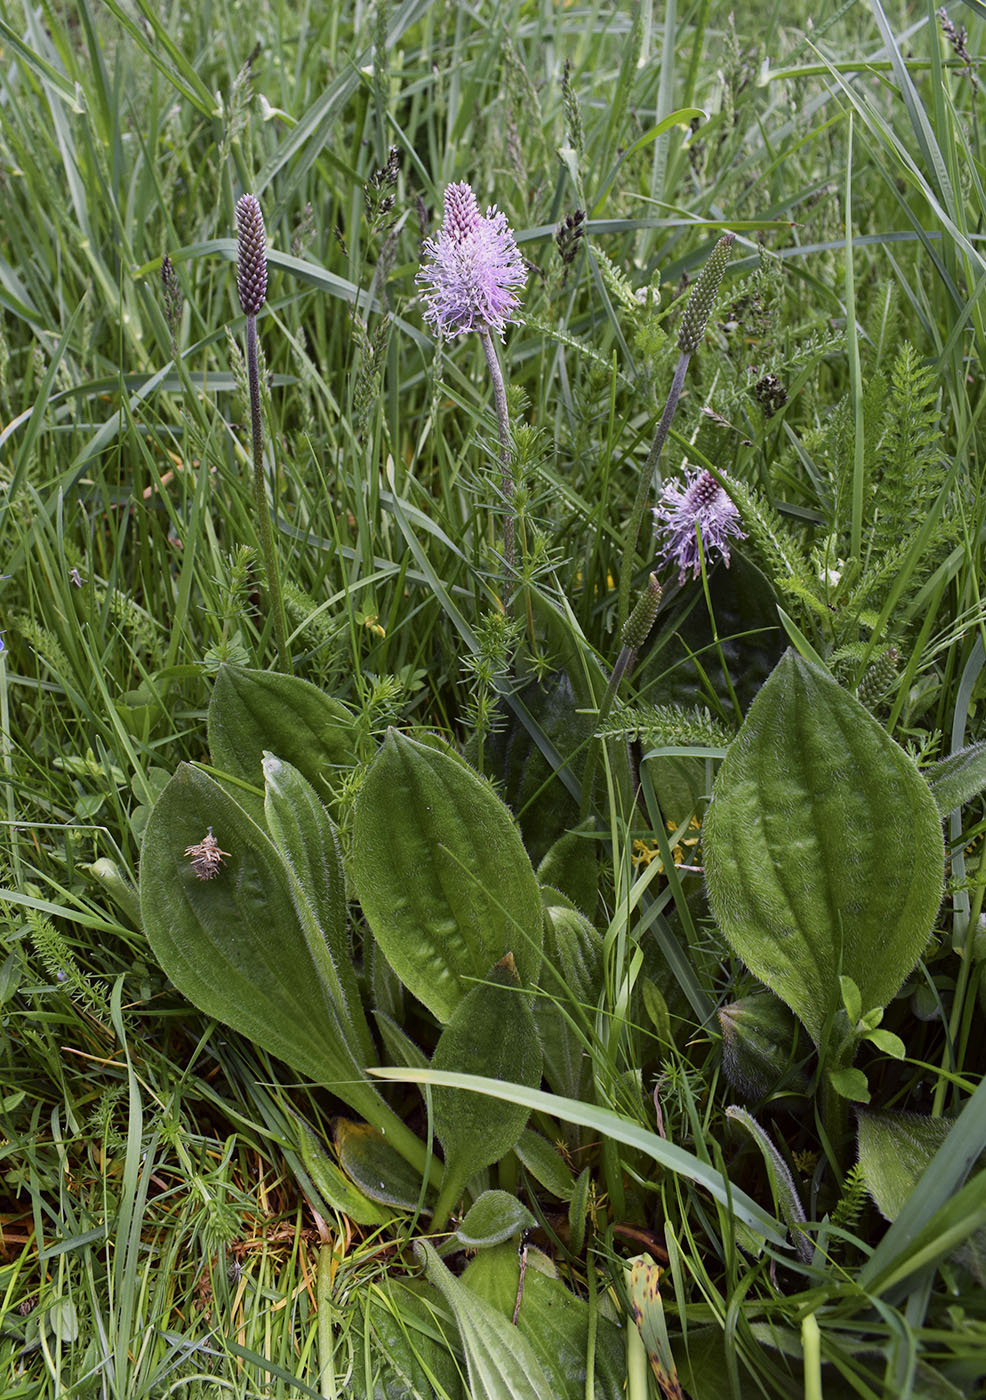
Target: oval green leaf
491	1033
251	711
823	845
495	1217
442	876
234	944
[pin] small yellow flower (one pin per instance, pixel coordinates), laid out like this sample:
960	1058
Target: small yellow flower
369	621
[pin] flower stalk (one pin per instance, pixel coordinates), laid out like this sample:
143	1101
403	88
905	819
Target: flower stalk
251	286
469	276
690	335
635	632
506	448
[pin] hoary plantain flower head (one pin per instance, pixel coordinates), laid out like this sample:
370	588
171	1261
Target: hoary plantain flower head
700	502
470	268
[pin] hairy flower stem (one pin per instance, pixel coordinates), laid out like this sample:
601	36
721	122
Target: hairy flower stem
635	632
506	472
624	665
645	485
260	494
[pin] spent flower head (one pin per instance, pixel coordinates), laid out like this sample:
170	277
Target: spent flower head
470	268
700	502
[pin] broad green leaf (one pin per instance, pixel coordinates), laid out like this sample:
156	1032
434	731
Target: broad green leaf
851	1000
301	830
63	1320
554	1322
545	1164
889	1043
444	881
500	1360
254	711
894	1151
571	865
495	1217
234	945
412	1343
335	1188
958	778
491	1033
368	1159
934	1192
823	847
573	952
850	1084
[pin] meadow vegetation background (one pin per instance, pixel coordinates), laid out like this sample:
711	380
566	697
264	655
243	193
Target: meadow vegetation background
162	1228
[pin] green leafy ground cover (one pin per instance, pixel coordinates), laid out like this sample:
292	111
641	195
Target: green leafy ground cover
567	1011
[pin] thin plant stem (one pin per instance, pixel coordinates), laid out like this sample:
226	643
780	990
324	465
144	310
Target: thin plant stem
644	487
506	473
260	493
624	664
326	1337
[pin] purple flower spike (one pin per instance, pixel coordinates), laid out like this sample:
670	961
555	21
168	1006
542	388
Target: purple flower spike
470	268
702	502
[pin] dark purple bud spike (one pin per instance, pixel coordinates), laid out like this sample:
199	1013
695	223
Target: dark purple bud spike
251	255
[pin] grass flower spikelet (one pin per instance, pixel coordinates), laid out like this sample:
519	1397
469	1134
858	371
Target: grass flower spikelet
251	255
471	268
700	502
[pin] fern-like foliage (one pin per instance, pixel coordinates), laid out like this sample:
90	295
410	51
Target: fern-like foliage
667	726
910	465
850	1205
780	552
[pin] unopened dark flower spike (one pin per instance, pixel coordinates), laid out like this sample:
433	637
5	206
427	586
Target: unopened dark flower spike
251	287
251	255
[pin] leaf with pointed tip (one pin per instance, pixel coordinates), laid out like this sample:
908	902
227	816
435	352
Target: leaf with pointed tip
254	711
336	1189
545	1163
234	945
958	778
368	1159
553	1321
573	952
301	830
500	1360
824	853
443	878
